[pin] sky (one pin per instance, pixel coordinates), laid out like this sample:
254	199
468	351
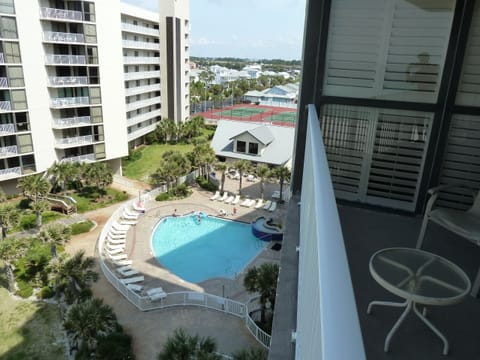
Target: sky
252	29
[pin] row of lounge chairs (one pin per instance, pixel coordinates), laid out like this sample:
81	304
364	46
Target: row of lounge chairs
226	198
257	204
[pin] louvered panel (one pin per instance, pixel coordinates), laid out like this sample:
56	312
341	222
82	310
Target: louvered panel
461	162
398	155
468	92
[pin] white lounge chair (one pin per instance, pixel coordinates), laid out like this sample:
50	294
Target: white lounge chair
128	222
116	241
120	227
116	258
154	291
251	203
273	207
111	247
127	211
135	287
129	272
138	207
114	251
245	202
123	262
229	199
267	205
117	233
236	200
224	197
216	196
259	204
132	280
156	294
129	217
123	268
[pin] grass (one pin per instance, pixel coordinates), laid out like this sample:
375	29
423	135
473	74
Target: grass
82	227
29	330
142	168
28	220
89	201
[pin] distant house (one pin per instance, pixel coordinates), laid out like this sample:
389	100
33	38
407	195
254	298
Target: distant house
259	143
280	95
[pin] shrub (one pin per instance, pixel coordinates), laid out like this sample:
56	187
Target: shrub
28	221
25	290
204	184
181	191
120	196
163	196
46	293
49	216
81	227
115	346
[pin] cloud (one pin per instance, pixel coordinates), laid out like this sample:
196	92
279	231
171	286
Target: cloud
203	41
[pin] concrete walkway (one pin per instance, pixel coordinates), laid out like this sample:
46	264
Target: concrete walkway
150	330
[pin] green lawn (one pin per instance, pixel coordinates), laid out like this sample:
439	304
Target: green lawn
141	168
87	203
29	330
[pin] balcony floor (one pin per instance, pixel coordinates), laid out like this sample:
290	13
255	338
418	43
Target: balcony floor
366	231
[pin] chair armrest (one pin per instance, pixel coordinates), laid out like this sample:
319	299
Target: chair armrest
435	191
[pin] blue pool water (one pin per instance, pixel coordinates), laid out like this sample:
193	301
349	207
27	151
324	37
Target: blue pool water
208	249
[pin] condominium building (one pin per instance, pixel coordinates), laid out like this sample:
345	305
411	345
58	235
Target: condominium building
81	81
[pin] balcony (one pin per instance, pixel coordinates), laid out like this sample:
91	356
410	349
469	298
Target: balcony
142	75
7	129
68	80
79	158
137	133
59	103
3	82
8	151
65	60
64	143
77	121
61	37
143	103
60	14
127	60
5	106
143	117
140	45
2	59
142	89
139	29
10	173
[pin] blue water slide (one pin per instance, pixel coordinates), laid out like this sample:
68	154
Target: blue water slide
265	230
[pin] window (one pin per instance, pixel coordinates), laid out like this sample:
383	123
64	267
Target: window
19	99
99	151
24	143
12	52
96	114
241	146
89	9
253	148
92	54
8	28
15	76
90	33
6	7
95	97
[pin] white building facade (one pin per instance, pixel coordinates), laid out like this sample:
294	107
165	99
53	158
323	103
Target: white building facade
79	81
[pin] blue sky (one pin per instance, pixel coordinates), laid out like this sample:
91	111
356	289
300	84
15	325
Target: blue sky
253	29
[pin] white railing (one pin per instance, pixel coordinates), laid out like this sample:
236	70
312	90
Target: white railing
183	298
63	37
139	132
87	139
5	105
140	29
79	158
143	103
142	75
51	13
141	45
10	172
70	101
2	59
7	128
68	80
327	318
141	60
262	337
3	82
8	151
65	60
142	89
72	121
143	117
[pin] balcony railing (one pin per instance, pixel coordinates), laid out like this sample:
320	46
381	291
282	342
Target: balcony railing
326	308
141	60
2	59
3	82
79	158
142	75
143	103
68	80
70	101
65	60
7	129
8	151
60	14
141	45
71	122
5	105
142	89
143	117
63	37
10	173
74	141
140	29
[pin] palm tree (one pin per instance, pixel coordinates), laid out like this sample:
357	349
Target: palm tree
251	354
222	167
283	174
262	172
9	217
55	234
36	187
263	280
173	164
201	156
39	207
89	321
241	166
60	173
99	174
74	275
182	346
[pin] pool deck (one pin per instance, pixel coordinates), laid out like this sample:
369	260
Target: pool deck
150	330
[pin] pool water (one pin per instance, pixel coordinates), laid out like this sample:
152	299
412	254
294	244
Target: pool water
200	250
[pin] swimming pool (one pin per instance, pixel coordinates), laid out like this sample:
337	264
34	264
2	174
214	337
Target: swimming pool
197	251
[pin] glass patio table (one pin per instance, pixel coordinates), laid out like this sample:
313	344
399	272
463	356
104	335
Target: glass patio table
419	277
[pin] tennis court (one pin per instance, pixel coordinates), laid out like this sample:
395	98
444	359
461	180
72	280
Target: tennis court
288	117
241	112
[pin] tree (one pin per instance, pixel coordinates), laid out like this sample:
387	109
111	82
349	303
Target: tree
182	346
251	354
241	166
263	280
74	275
89	321
9	217
173	164
201	156
60	173
36	187
3	197
262	172
98	174
222	167
55	234
39	207
283	174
